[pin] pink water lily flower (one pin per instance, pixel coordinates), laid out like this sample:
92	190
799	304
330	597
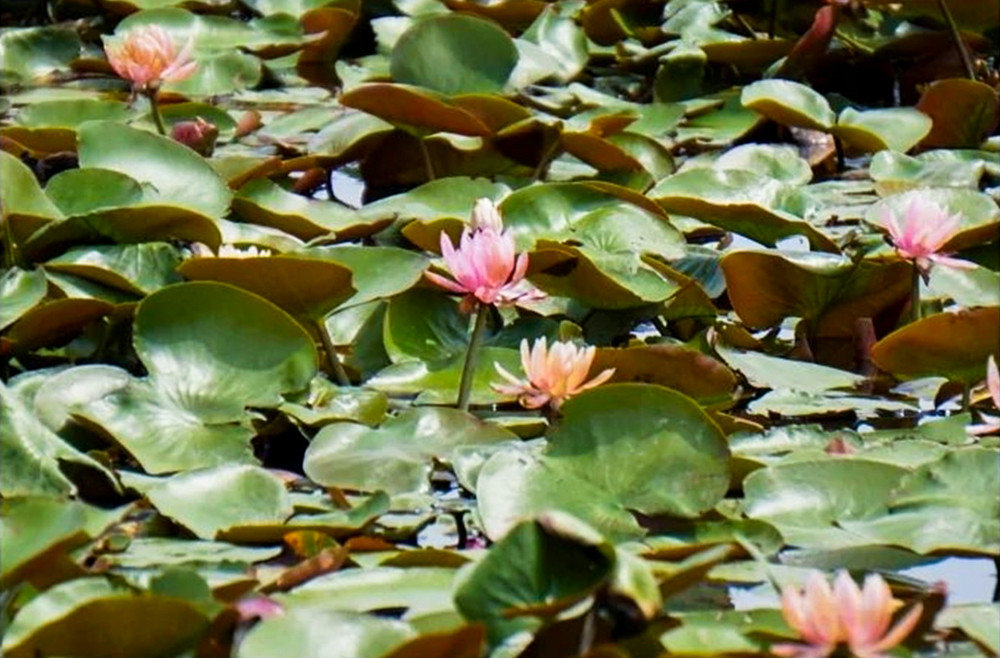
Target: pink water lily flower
925	228
554	374
845	614
485	267
147	56
990	424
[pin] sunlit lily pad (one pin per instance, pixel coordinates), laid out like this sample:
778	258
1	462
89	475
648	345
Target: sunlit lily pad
942	506
196	392
138	269
20	291
50	126
896	128
239	495
586	455
178	175
754	205
789	103
397	456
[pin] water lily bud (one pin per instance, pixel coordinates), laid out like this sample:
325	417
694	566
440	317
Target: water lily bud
485	216
198	135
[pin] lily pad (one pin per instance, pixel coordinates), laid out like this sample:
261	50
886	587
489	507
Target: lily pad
91	618
789	103
685	473
754	205
955	345
178	176
454	54
239	495
396	457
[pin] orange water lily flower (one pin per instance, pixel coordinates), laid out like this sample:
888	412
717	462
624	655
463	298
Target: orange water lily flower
485	267
147	56
990	424
845	614
554	374
924	230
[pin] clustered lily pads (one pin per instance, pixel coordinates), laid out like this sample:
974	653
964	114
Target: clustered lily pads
520	328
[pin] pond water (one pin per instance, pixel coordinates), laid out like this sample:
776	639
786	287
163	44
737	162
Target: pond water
969	580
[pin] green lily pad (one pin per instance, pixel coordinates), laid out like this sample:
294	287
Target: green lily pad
437	383
454	54
32	453
942	507
955	345
806	500
396	457
978	621
376	272
31	53
765	371
896	128
37	532
685	473
263	202
757	206
50	126
20	291
328	633
897	172
84	191
421	590
782	163
197	391
239	495
789	103
91	618
138	269
178	176
538	569
603	266
975	286
24	204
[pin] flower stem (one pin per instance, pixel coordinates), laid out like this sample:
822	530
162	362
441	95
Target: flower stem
334	367
956	35
154	108
471	357
915	294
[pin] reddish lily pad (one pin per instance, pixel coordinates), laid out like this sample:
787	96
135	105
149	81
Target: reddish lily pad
955	345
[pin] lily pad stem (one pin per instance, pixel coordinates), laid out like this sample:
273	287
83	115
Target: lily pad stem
334	367
915	294
472	357
966	396
970	70
428	165
154	109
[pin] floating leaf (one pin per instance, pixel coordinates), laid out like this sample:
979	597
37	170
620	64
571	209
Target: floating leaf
178	175
740	201
789	103
20	291
120	623
239	495
538	569
955	345
454	54
397	456
896	128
